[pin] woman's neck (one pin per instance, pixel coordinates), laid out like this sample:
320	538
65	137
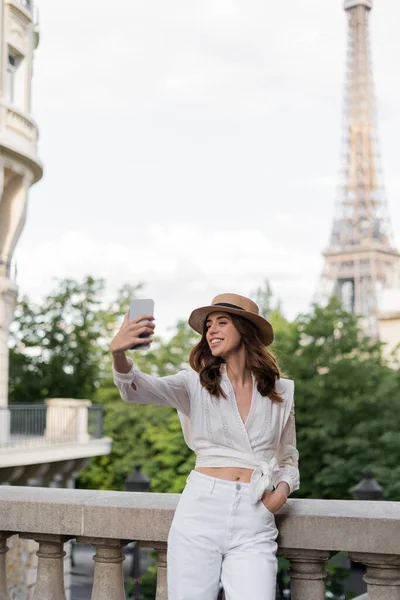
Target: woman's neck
236	368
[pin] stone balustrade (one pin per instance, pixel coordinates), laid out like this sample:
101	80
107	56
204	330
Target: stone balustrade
310	532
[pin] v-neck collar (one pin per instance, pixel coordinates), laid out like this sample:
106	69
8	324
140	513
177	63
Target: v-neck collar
244	424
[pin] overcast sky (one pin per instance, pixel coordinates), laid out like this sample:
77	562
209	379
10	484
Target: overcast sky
193	145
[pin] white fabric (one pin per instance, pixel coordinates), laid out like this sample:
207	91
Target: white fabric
262	479
218	535
214	430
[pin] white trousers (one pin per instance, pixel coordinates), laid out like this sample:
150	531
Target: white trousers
218	536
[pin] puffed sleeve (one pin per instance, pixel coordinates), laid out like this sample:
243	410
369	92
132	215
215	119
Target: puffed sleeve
287	454
140	388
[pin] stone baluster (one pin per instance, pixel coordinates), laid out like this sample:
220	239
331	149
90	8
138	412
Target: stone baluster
162	591
307	573
382	576
3	566
161	547
108	574
50	569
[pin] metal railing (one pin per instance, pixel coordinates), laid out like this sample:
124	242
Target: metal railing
37	425
28	4
8	269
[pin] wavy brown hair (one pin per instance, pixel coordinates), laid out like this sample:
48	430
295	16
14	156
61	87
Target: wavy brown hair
259	360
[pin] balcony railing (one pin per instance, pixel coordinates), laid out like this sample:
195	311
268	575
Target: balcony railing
58	421
310	532
28	4
8	269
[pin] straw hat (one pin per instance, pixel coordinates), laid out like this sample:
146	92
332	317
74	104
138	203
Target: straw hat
237	305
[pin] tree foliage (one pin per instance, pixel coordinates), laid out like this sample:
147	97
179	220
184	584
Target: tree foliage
347	398
347	403
60	348
146	435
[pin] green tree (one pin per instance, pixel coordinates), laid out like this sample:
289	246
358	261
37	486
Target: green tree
54	347
347	405
148	435
263	296
60	348
347	397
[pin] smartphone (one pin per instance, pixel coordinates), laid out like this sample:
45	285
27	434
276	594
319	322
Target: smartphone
138	307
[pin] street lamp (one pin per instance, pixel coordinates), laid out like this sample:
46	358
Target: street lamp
367	489
136	482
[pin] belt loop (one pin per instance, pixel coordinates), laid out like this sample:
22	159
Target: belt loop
213	485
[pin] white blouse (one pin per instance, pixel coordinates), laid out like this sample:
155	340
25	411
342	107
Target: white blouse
214	430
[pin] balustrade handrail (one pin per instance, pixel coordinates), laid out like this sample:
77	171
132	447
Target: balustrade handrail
310	532
57	422
332	525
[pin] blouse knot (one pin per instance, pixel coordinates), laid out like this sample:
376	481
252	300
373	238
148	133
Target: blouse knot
262	479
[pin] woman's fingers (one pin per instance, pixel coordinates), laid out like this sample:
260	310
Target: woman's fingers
139	328
142	318
143	335
139	341
131	330
144	329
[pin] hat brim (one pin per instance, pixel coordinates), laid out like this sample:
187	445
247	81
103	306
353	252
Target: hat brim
199	315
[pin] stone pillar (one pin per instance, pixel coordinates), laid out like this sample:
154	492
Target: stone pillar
68	570
108	574
80	464
21	568
50	569
12	475
67	419
382	576
3	566
307	573
161	547
8	300
162	589
35	474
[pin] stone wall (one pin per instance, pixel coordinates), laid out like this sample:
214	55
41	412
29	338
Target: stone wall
310	533
22	568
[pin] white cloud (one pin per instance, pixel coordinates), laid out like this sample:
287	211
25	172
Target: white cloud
223	54
180	264
194	144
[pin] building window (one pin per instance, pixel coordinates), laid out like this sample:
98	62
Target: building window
11	71
16	79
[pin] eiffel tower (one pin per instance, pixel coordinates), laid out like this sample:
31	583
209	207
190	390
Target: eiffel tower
361	261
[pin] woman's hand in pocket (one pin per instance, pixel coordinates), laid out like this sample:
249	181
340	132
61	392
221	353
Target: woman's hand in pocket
274	501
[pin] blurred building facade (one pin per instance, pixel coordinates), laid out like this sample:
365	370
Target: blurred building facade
362	265
40	445
20	166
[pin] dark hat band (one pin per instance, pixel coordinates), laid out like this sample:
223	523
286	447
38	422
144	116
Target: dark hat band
228	305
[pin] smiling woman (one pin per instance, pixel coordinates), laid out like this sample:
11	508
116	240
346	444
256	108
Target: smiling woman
223	336
237	415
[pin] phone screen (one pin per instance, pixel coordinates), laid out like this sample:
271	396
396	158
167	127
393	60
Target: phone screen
139	307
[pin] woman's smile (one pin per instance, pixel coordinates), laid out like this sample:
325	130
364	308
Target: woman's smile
221	346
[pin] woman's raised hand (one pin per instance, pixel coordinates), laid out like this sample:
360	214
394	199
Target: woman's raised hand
130	331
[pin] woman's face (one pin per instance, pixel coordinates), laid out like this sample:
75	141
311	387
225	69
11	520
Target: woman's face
222	336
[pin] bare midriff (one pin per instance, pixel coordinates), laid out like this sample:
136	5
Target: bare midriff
228	473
